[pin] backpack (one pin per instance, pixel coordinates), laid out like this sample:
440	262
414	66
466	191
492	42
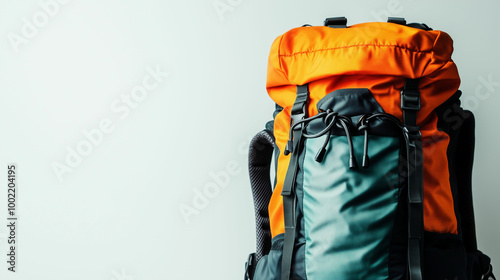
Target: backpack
372	158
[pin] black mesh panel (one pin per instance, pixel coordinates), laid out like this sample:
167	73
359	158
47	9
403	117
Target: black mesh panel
259	162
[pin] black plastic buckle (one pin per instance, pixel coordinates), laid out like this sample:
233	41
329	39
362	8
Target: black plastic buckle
250	267
299	110
336	22
296	118
410	100
413	132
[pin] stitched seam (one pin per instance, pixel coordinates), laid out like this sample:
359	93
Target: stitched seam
353	46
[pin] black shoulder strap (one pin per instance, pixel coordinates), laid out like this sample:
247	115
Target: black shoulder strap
479	265
299	111
259	164
410	104
465	159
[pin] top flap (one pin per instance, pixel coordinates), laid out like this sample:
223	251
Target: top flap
306	54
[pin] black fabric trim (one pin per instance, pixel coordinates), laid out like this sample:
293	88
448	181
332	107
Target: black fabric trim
350	102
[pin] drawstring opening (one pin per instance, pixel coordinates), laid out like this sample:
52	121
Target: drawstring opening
332	119
289	144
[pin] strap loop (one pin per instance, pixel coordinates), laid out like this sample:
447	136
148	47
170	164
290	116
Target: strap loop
250	267
336	22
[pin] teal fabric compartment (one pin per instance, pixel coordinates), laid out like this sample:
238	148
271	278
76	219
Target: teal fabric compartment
349	214
269	267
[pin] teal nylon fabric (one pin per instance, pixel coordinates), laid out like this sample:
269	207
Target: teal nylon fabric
349	214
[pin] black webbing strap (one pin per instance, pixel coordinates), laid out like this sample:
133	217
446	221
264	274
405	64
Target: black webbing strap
288	191
410	104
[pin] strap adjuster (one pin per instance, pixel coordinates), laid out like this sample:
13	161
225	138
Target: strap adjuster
410	100
413	132
250	267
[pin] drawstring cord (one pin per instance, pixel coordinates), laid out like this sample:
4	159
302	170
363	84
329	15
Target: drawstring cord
332	119
321	153
345	121
363	126
289	144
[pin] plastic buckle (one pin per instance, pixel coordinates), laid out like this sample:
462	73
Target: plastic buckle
298	113
413	132
336	22
410	100
250	267
296	118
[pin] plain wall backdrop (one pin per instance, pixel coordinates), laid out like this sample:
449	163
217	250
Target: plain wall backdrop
119	113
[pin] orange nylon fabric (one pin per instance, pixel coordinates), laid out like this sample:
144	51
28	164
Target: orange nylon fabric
377	56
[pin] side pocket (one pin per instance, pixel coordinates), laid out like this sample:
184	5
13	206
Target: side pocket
444	257
478	264
269	266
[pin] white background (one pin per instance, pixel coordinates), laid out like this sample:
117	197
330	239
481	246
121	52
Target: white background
116	215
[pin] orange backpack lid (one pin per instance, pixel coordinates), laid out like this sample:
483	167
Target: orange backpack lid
306	54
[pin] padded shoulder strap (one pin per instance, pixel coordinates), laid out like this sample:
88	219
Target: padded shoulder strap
479	265
259	163
464	161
